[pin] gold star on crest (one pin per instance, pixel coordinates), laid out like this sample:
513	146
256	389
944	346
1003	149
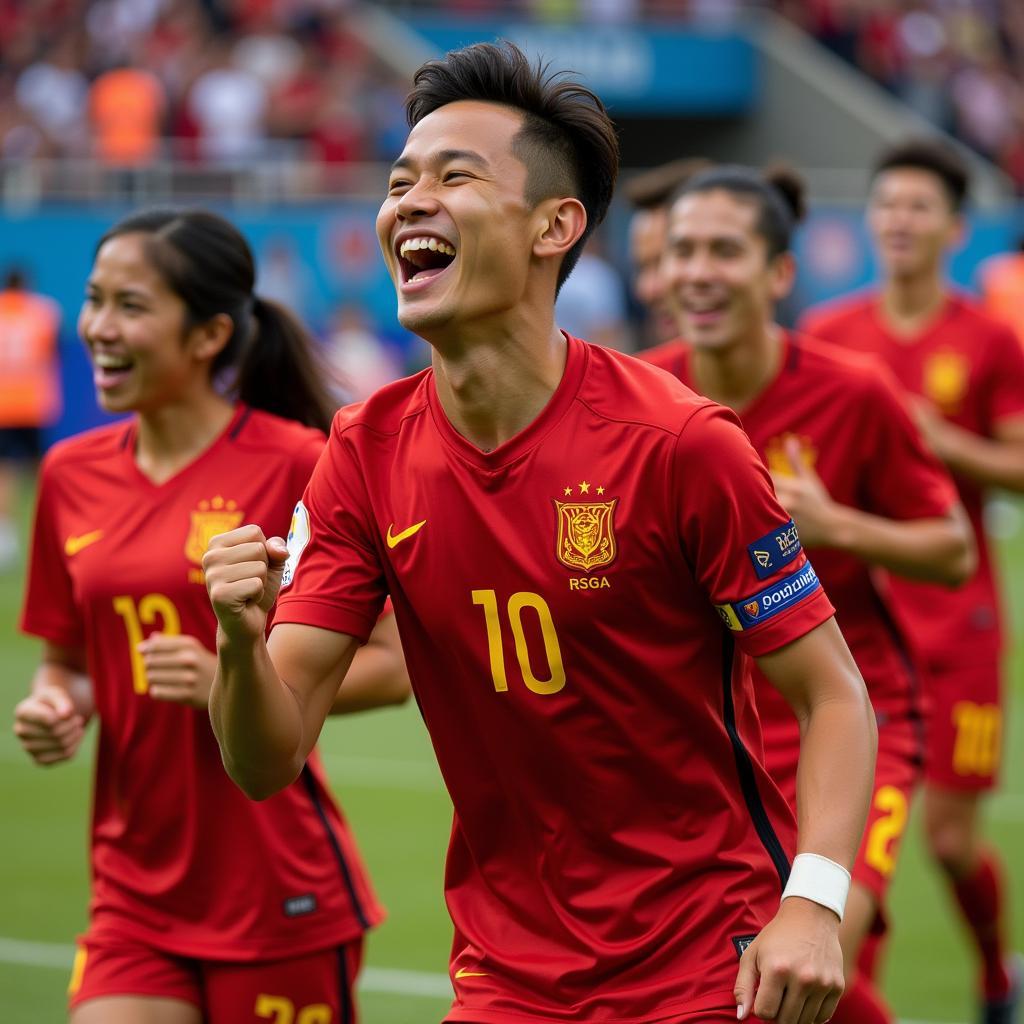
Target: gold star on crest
568	491
600	490
584	487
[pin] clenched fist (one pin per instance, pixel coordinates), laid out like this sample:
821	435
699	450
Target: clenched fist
243	575
48	726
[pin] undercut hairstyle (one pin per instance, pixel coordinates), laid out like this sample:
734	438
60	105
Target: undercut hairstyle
653	189
777	192
567	143
273	361
936	157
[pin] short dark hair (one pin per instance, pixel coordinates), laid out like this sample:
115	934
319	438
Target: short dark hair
654	188
777	191
567	142
935	156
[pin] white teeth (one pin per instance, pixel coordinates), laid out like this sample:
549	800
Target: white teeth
424	242
111	362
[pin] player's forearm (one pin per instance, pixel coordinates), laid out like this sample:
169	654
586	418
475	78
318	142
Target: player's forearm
376	678
936	550
72	680
256	719
992	463
839	739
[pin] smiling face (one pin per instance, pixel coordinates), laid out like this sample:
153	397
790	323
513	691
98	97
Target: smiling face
134	328
721	281
912	221
456	229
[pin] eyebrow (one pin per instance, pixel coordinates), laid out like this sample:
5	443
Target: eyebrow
445	156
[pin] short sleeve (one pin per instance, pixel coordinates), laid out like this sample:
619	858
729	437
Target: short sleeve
50	610
333	577
902	479
1004	378
743	548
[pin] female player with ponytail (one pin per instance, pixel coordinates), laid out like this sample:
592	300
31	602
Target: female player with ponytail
205	906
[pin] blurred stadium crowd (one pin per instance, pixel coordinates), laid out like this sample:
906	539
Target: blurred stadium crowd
223	82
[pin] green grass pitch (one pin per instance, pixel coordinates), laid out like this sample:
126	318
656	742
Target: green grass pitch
383	770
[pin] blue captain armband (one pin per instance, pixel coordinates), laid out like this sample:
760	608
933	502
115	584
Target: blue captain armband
779	597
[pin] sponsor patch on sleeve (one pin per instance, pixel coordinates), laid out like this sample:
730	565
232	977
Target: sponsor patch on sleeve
779	597
298	538
774	550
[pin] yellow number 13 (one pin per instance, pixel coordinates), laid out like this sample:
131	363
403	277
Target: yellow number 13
496	651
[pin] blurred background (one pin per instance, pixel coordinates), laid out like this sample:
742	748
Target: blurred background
283	114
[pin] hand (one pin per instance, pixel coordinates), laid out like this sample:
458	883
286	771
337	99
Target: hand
932	425
243	575
792	972
179	669
804	496
48	726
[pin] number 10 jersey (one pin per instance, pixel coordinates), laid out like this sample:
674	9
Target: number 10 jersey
575	607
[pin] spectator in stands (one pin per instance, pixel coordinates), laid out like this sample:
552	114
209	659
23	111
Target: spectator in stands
1002	287
592	302
29	390
126	108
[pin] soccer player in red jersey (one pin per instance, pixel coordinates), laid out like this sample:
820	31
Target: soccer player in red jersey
967	372
556	524
205	906
820	420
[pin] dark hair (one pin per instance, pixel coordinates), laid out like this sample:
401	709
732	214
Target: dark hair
777	191
935	156
207	263
15	279
567	142
654	188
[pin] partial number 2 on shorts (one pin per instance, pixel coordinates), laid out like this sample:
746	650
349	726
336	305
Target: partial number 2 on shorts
280	1010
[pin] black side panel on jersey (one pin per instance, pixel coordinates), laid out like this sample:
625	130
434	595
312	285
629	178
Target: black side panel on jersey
345	983
745	768
310	783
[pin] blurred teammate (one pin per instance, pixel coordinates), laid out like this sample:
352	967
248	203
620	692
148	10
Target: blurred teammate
850	467
29	390
532	504
968	373
205	906
650	193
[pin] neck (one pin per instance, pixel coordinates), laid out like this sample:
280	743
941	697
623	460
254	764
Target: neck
910	302
171	436
494	381
736	374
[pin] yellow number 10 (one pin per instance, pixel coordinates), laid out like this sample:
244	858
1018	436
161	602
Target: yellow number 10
151	607
496	651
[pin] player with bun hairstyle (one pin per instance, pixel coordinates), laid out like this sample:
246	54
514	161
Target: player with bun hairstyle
966	373
205	906
848	465
529	503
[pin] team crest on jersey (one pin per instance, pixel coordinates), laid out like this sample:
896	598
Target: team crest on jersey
586	530
211	517
945	379
777	457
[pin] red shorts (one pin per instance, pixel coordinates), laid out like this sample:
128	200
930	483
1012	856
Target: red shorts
897	774
316	988
965	739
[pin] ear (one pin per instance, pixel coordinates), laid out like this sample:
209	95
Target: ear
559	225
783	275
208	339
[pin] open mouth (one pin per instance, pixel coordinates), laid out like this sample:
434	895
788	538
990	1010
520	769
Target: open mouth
109	370
423	258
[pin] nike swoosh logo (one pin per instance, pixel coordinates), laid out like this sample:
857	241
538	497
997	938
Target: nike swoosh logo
75	544
395	539
462	972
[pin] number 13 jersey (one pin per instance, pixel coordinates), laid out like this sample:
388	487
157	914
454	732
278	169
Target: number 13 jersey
574	608
182	860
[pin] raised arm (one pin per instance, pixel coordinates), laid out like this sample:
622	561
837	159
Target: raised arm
269	700
50	722
797	956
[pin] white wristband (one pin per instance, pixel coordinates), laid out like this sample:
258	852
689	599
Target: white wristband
821	880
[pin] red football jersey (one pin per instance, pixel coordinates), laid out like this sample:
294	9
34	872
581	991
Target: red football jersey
972	369
854	431
181	858
614	843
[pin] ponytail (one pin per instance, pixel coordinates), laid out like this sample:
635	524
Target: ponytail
281	371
